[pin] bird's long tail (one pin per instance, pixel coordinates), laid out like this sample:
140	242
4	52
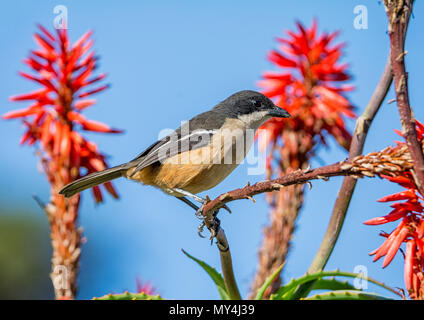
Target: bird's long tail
94	179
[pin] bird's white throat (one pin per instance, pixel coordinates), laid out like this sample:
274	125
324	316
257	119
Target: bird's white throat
255	120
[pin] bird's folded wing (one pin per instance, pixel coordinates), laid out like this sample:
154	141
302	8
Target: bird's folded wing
172	145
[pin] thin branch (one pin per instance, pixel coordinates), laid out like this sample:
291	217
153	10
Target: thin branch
297	177
227	266
210	222
398	12
388	162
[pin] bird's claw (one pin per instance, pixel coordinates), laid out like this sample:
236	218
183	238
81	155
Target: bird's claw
226	208
200	230
214	224
199	212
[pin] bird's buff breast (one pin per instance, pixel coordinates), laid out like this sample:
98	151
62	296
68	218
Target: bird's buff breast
203	168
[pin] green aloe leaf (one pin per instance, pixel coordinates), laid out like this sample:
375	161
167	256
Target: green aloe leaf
262	289
285	292
332	284
347	295
215	276
129	296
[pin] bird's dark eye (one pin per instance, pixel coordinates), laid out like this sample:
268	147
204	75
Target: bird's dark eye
257	104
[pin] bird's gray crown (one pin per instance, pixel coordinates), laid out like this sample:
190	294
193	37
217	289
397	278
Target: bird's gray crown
245	102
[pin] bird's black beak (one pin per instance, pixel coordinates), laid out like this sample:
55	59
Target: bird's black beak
278	112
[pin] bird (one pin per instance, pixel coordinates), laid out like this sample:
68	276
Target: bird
198	155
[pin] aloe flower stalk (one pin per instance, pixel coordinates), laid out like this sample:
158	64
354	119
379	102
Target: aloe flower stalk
54	123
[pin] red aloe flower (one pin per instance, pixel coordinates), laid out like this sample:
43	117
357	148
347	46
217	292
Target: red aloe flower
308	89
409	230
309	85
65	73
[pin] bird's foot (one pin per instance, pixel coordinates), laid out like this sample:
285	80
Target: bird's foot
199	212
210	221
213	224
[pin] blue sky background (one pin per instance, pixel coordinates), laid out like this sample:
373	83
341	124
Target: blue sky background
168	61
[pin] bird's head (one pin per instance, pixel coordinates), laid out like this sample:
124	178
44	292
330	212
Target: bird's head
252	107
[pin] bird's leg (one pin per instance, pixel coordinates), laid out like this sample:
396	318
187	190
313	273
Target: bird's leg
192	205
190	195
214	222
199	211
188	202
